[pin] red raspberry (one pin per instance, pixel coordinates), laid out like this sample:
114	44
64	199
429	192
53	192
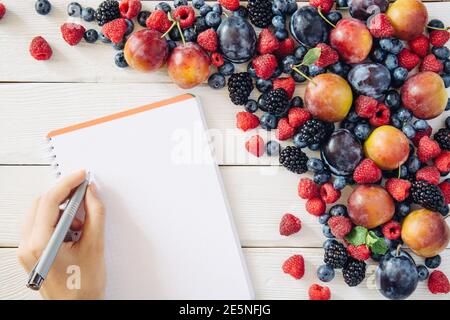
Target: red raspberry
392	230
267	42
246	121
298	116
438	282
287	83
381	117
360	252
442	162
289	224
365	106
2	10
367	172
324	5
130	8
328	56
407	59
208	40
307	189
115	30
328	193
420	45
40	49
229	4
420	134
428	149
398	188
185	15
255	145
285	48
439	38
295	266
317	292
445	188
284	130
72	33
217	59
315	206
265	66
380	26
340	226
430	174
158	21
431	63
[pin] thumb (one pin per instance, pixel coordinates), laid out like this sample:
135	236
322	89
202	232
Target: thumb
94	226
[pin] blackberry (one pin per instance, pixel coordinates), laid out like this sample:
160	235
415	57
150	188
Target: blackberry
294	159
240	85
427	195
107	11
314	131
443	138
260	12
354	272
277	102
336	255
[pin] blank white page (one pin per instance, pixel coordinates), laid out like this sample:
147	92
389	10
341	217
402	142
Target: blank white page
169	229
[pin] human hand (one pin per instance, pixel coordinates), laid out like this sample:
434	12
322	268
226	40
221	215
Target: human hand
85	255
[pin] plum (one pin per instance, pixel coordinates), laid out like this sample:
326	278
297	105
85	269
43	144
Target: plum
370	79
408	17
237	39
363	9
307	27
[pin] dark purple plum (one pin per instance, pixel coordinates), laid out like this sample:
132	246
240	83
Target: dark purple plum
237	39
363	9
370	79
308	27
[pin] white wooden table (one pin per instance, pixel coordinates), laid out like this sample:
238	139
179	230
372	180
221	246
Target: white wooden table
81	83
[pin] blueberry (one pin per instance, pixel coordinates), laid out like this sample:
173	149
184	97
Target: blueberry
423	272
338	210
300	52
326	230
409	131
251	106
413	164
164	6
88	14
268	121
120	61
200	24
241	12
297	102
441	52
402	208
298	142
352	116
216	81
392	244
213	19
103	38
262	102
74	9
273	148
179	3
279	7
43	7
362	131
447	120
315	70
404	115
433	262
120	45
287	63
281	34
323	219
392	99
227	69
447	66
315	165
174	34
400	74
341	4
321	177
130	27
198	3
292	6
334	17
172	44
278	22
297	76
327	243
446	79
340	68
445	209
314	147
325	273
204	10
391	61
263	85
391	45
142	18
190	35
217	8
395	121
447	107
277	72
90	36
378	55
339	183
420	125
435	23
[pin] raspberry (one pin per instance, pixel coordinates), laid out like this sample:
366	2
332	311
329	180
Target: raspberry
287	83
72	33
246	121
367	172
324	5
115	30
217	59
285	48
158	21
428	149
361	252
265	65
328	193
381	117
298	116
284	130
445	188
439	38
365	106
40	49
380	26
231	5
255	145
430	174
340	226
2	10
267	42
208	40
185	15
295	266
442	162
392	230
398	188
420	134
431	63
130	8
420	45
289	224
438	282
328	56
307	189
315	206
407	59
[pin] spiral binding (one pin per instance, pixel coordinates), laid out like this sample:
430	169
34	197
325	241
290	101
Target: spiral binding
51	156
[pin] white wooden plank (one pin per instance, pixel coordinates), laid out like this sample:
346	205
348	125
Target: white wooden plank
265	270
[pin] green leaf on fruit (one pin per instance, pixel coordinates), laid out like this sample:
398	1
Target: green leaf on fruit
357	236
311	56
376	244
371	238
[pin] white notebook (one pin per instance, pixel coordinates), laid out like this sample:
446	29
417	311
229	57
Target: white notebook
169	229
